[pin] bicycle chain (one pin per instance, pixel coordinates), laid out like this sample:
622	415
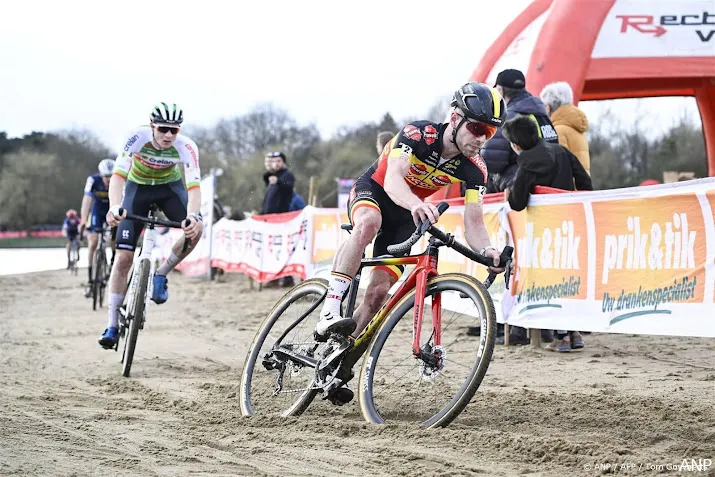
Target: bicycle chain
313	387
306	343
298	390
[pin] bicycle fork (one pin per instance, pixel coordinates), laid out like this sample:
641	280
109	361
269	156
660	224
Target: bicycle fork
420	295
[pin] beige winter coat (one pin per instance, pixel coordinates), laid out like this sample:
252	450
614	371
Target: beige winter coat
571	124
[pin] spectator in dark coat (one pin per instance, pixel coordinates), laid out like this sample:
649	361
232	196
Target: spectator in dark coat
500	158
279	184
279	193
540	163
544	164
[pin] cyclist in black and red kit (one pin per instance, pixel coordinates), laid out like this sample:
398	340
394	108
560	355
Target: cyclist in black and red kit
387	201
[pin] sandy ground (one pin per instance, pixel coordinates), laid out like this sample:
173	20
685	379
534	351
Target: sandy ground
641	401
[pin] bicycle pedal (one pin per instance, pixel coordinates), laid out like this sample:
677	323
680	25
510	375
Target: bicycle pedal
340	396
320	338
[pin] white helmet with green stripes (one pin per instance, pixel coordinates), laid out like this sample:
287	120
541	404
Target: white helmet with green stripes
169	114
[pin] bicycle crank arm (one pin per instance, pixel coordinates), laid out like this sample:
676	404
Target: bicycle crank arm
337	347
284	354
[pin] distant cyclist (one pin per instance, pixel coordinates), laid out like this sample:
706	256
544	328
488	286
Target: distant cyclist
148	171
96	202
70	230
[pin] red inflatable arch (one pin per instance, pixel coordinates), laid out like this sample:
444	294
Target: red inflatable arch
609	49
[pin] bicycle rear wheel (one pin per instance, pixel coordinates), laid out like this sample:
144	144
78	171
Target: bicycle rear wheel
135	316
397	386
273	382
97	278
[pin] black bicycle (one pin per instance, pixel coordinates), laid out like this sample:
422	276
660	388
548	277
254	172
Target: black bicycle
132	314
101	268
74	256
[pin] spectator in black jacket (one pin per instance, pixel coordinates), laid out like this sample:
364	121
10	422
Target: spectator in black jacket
279	192
279	184
545	164
540	163
500	158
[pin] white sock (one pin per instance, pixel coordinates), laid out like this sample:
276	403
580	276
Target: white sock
338	284
115	301
169	265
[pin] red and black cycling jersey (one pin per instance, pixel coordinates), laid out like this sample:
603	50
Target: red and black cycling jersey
420	143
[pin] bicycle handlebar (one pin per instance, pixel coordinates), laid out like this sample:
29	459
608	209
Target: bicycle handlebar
505	258
154	220
422	227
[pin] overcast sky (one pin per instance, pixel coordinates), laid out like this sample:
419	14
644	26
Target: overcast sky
102	65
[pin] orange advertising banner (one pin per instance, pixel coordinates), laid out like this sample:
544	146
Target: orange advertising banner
638	260
326	236
551	252
649	253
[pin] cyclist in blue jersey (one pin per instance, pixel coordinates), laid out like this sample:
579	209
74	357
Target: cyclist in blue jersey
70	230
96	203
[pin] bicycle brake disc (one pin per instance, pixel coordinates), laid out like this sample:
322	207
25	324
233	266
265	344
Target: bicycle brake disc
430	371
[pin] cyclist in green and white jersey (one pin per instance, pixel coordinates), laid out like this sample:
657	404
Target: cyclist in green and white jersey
147	171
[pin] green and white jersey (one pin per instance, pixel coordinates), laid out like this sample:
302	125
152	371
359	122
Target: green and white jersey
141	162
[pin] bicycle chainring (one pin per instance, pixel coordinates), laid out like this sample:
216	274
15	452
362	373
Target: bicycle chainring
329	363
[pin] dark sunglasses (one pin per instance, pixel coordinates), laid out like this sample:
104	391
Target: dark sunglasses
166	129
481	129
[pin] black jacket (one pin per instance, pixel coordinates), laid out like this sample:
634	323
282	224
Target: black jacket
549	165
278	195
497	153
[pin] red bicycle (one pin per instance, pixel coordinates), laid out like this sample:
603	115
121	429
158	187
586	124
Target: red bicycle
420	364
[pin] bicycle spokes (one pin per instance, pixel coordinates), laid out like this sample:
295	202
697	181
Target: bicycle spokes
420	385
286	356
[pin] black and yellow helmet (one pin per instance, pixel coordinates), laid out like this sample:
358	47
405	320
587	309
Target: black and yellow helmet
480	103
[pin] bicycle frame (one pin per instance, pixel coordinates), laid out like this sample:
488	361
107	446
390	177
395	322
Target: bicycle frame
102	239
425	268
144	252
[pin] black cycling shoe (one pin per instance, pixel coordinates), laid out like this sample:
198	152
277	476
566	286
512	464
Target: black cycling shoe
341	396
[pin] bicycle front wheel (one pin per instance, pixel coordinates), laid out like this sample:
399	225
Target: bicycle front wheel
135	316
73	257
432	389
276	378
104	277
